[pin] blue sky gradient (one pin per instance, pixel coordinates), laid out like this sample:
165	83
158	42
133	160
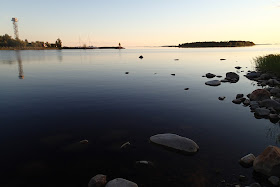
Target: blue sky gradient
142	23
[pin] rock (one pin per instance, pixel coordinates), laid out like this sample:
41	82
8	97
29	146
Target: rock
264	76
239	96
213	83
274	180
126	72
237	67
255	184
270	103
186	88
262	111
222	98
274	91
141	57
237	101
246	102
219	76
242	178
225	80
173	74
248	160
222	59
84	141
98	181
176	59
125	145
144	162
252	75
210	75
273	82
274	116
268	162
120	182
259	95
232	77
175	142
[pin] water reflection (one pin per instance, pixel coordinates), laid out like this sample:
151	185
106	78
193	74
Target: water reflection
20	66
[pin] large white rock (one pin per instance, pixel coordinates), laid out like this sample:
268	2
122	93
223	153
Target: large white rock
120	182
213	83
175	142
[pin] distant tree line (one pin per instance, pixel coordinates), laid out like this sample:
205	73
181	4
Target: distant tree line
7	41
218	44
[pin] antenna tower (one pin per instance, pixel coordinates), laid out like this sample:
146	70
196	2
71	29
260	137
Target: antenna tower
15	20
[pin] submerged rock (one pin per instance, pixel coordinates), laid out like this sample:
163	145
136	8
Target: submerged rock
239	96
246	102
213	83
120	182
268	162
259	95
175	142
274	180
248	160
237	67
98	181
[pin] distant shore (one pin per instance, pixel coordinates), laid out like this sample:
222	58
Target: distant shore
55	48
214	44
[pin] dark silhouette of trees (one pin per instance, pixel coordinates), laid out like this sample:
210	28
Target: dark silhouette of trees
218	44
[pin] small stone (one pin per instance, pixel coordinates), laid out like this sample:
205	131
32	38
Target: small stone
119	182
242	178
176	59
210	75
274	180
219	76
84	141
232	77
248	160
186	88
173	74
222	59
255	184
98	181
145	162
141	57
126	72
246	102
237	101
222	98
125	145
239	96
237	67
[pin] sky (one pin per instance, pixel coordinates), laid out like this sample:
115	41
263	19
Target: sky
142	23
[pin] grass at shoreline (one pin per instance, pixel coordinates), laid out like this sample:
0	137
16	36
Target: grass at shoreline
268	63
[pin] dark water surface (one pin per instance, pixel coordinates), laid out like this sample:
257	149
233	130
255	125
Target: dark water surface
70	95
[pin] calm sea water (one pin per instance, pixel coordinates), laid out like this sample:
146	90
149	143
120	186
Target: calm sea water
70	95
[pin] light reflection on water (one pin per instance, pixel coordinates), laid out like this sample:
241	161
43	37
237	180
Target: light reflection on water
70	95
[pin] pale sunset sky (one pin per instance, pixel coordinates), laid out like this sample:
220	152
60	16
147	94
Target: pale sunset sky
142	23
